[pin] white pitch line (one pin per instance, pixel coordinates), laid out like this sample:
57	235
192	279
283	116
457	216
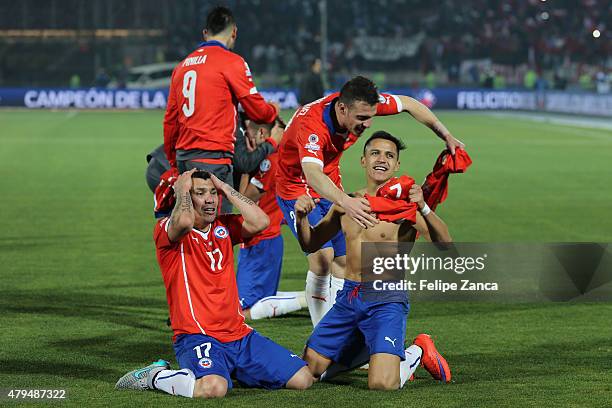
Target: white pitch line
562	120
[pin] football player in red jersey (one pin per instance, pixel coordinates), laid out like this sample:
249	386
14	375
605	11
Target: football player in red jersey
212	342
206	87
310	152
261	258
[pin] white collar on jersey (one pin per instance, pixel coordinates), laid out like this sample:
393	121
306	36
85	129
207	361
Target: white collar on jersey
203	234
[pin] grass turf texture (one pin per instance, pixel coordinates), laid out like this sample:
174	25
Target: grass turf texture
82	299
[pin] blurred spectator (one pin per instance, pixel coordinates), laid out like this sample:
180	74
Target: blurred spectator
430	80
75	81
102	79
585	81
530	78
602	81
311	86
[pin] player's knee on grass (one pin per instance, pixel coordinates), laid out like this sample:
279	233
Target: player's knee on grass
302	380
383	372
210	386
317	364
320	262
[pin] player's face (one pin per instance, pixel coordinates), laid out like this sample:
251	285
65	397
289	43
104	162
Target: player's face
205	199
256	135
356	117
381	160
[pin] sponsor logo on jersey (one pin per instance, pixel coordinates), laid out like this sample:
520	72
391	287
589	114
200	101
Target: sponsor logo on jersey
221	232
312	148
383	99
312	144
265	165
205	362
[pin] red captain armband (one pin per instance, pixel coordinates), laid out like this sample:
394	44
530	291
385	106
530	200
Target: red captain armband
272	142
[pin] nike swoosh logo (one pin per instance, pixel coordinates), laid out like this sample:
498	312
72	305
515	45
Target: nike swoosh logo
141	373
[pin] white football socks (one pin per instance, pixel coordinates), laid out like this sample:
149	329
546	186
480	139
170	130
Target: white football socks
317	296
274	306
336	285
409	365
175	382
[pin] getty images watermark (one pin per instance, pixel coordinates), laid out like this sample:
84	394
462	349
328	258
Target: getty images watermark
411	265
491	272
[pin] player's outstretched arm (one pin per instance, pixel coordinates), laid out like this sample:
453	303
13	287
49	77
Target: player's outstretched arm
427	222
255	219
358	208
183	215
422	113
311	239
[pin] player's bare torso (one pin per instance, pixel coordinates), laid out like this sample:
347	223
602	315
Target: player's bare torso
381	232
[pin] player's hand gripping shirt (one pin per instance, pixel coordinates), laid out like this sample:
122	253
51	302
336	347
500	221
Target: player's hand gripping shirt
205	90
310	137
198	273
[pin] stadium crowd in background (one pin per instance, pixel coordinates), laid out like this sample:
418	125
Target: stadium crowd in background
565	43
513	37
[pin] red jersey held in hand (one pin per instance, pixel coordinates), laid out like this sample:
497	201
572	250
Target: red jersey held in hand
391	202
435	187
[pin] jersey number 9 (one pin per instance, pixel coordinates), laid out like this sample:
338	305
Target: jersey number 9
189	87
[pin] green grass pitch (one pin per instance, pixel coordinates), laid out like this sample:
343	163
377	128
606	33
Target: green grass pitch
82	300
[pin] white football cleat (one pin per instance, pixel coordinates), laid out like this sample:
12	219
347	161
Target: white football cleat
141	379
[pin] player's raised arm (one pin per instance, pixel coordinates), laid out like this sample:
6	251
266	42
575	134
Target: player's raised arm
183	214
311	239
255	219
428	223
358	208
422	113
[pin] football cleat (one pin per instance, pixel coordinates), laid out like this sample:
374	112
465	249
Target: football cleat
431	359
141	379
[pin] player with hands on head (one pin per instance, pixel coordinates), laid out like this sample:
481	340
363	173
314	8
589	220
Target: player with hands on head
212	342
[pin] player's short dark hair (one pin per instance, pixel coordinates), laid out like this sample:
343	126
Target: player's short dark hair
257	126
359	89
201	174
218	19
381	134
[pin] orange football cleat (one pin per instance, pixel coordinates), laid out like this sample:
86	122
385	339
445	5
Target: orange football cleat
431	359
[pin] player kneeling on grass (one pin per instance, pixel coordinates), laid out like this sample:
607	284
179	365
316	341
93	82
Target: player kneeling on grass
212	342
356	322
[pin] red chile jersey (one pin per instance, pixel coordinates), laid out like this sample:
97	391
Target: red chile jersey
204	92
200	282
265	180
310	137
